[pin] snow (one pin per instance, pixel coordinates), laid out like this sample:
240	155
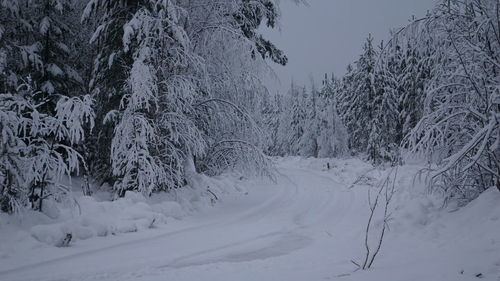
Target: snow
308	225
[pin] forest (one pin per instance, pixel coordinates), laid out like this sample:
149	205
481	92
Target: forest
134	93
150	96
431	91
128	93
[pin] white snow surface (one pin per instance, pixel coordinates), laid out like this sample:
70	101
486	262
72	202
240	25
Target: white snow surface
307	225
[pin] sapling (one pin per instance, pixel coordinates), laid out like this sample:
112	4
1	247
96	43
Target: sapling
383	197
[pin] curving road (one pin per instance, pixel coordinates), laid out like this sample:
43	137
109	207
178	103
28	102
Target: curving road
299	228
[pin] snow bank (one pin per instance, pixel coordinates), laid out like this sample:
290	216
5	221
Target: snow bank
86	217
427	240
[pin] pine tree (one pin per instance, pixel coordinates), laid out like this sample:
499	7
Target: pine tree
358	95
170	96
308	142
37	148
417	73
40	88
231	92
249	17
332	138
108	77
384	140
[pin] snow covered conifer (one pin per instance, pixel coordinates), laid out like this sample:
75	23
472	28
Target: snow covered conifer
249	17
42	118
333	137
308	142
384	139
357	99
297	119
37	148
108	76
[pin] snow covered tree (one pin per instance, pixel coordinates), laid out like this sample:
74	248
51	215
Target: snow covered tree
43	118
419	61
231	93
384	139
249	17
357	97
460	127
40	44
167	89
393	79
9	17
13	188
343	98
272	124
333	137
308	124
109	75
308	141
294	121
154	132
37	147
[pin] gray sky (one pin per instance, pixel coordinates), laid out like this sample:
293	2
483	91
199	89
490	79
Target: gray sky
329	34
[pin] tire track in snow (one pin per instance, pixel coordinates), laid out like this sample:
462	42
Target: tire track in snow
258	210
281	246
278	226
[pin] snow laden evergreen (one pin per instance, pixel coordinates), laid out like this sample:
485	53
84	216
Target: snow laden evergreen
290	127
231	94
173	91
307	124
167	82
357	101
153	132
430	91
380	98
385	127
308	142
37	148
336	143
434	89
109	74
36	42
43	116
142	95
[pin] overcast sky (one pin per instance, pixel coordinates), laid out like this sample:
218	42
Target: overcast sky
327	35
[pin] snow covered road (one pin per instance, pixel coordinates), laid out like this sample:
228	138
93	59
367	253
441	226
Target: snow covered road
271	225
307	226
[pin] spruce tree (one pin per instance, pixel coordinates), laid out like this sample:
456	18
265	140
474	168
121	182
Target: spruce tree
41	95
108	77
358	97
384	140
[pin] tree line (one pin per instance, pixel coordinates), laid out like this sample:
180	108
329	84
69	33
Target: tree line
431	91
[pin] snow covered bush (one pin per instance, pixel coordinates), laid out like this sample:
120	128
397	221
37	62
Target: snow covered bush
37	148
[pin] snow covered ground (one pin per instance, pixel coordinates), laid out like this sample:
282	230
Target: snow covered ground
308	225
